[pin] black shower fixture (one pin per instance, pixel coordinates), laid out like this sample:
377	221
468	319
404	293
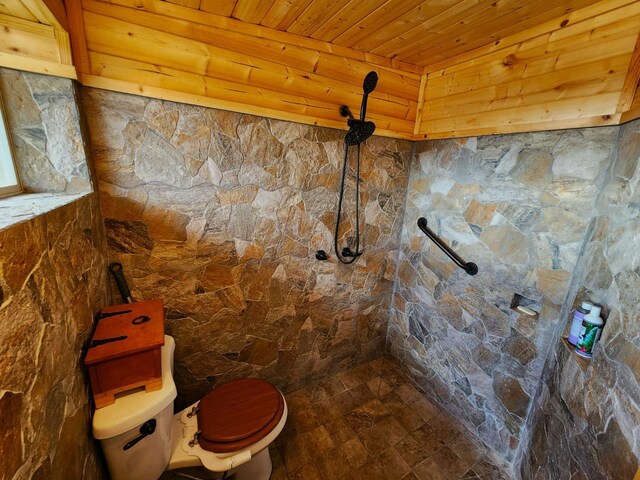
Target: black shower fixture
359	131
369	85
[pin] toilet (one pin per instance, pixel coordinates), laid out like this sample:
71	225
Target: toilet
228	431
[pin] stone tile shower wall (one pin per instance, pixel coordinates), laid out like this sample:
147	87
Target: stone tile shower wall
592	415
220	214
43	118
519	206
52	282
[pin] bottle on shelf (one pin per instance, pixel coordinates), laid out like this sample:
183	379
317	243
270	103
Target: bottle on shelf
590	332
576	325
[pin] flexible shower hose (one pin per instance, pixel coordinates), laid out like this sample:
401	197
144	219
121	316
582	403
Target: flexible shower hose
356	254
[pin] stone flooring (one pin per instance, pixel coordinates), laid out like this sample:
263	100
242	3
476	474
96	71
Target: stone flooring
370	423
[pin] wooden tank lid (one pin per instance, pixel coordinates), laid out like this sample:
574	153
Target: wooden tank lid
126	329
239	410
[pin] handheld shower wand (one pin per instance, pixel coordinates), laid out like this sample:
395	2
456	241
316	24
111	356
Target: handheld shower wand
368	86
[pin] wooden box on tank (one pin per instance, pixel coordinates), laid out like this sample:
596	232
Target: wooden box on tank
124	352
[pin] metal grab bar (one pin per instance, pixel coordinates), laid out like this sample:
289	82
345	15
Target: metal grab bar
469	267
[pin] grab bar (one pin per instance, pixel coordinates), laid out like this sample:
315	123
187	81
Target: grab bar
469	267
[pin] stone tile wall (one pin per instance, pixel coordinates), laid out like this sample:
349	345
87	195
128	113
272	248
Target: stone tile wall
519	206
221	214
52	281
587	421
44	125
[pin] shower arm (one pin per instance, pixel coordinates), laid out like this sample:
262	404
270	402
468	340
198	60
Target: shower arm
469	267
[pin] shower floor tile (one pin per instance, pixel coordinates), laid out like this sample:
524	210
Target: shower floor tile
370	423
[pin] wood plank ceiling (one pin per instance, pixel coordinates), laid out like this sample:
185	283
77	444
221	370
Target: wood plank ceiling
420	32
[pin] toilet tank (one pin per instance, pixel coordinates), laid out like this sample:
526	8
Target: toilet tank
119	425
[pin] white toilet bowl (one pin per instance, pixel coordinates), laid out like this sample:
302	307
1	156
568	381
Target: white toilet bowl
133	453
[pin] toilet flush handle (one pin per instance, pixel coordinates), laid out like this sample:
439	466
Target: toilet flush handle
146	429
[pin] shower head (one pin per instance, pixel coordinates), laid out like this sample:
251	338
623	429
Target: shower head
359	132
370	82
369	85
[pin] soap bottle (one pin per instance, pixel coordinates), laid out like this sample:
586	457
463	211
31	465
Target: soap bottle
578	316
590	332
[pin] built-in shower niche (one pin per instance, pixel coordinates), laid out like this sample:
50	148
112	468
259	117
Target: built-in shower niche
525	306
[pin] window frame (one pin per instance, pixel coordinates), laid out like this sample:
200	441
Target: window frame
16	188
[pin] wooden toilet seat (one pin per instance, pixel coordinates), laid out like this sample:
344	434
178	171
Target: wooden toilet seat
238	414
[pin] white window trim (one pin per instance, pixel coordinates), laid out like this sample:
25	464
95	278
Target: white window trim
11	163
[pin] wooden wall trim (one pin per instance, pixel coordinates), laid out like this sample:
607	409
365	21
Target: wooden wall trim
78	38
35	65
57	9
563	124
631	81
634	111
49	12
423	89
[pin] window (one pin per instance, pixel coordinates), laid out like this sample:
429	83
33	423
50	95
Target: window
9	182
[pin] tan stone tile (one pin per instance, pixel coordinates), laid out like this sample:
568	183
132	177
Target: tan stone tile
344	402
484	469
471	475
410	476
392	464
278	471
479	213
317	392
340	430
298	399
329	468
465	449
378	365
303	420
295	454
358	420
383	435
318	440
365	372
442	465
393	403
349	379
408	393
376	409
326	409
394	378
332	386
379	387
287	433
353	453
443	428
426	409
419	445
362	393
306	472
409	419
369	471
